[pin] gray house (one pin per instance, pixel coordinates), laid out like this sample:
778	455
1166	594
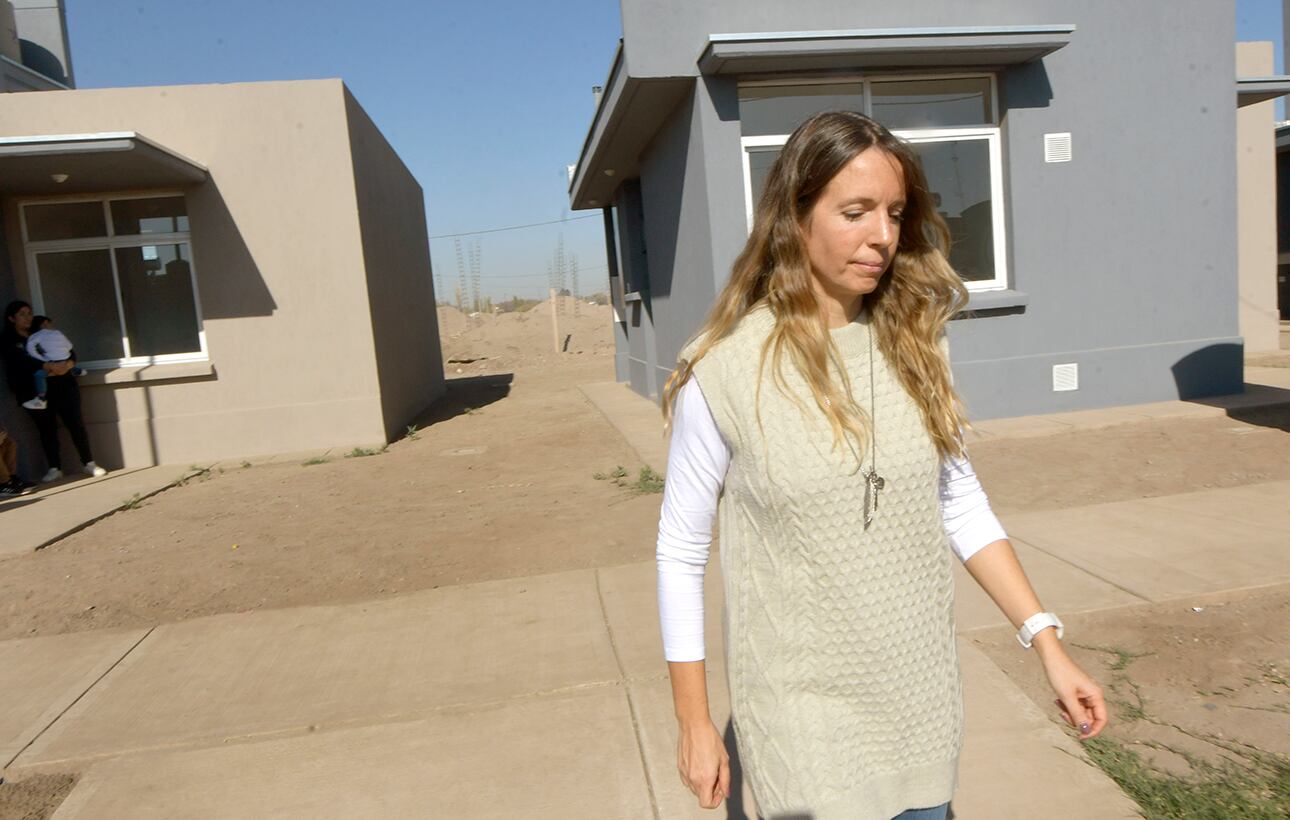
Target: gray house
1084	156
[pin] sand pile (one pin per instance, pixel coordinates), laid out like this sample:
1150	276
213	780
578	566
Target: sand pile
506	341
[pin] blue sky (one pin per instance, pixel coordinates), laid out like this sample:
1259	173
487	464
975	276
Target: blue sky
486	102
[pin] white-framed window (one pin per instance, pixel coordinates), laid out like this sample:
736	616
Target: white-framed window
950	120
116	275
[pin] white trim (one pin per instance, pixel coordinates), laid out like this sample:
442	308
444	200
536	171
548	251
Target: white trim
102	137
997	211
829	34
112	242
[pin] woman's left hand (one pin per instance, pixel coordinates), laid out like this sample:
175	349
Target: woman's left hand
1078	696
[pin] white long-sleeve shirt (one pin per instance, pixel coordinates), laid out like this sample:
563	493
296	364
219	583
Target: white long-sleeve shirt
697	460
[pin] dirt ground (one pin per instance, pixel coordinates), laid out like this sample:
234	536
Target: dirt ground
1195	687
499	482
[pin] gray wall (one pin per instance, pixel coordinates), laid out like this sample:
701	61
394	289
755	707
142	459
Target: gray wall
1127	253
400	286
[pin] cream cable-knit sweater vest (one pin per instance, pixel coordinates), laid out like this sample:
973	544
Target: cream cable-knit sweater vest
840	656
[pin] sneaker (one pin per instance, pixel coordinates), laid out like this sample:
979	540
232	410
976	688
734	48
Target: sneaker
10	488
36	403
94	470
53	475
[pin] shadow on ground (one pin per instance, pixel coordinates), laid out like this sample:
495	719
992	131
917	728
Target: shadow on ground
464	395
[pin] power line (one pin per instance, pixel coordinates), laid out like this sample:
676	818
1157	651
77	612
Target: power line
516	227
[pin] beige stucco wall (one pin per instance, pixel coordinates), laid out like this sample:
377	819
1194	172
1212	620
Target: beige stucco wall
280	266
1256	175
400	285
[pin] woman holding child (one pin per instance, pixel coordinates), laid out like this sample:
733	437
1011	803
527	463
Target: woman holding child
62	396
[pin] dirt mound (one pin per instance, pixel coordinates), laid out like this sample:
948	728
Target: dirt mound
483	343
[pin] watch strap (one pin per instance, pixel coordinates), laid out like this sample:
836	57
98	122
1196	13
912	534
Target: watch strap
1035	623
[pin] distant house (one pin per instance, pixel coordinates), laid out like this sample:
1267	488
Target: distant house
243	268
1084	156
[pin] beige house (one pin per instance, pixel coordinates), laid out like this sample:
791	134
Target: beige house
244	268
1256	173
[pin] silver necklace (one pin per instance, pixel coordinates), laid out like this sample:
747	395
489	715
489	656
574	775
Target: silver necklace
873	483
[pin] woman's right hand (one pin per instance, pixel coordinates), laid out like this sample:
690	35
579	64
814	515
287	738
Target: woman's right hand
703	762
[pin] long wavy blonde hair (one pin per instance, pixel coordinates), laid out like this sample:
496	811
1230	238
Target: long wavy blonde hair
909	308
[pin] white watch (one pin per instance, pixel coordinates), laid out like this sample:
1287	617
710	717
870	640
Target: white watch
1036	622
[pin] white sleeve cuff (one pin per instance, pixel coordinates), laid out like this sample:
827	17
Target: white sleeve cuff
969	522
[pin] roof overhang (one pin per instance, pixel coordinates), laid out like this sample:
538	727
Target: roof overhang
1251	90
958	46
629	113
87	163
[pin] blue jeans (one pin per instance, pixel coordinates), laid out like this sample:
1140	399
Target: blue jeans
933	813
41	378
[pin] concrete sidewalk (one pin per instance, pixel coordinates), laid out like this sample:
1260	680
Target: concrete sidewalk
33	521
544	696
548	696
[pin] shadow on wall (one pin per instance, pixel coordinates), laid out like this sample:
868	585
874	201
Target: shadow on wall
229	286
40	59
1205	372
229	280
1026	86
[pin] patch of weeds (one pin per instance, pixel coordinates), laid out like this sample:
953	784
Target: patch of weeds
1123	657
246	465
647	481
413	431
361	452
472	411
617	475
134	502
1257	791
315	460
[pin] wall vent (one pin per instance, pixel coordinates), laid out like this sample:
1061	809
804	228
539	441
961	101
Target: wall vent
1065	377
1057	147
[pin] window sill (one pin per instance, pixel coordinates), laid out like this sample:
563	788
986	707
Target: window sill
997	300
634	296
149	373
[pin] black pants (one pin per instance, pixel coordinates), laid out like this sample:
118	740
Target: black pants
64	402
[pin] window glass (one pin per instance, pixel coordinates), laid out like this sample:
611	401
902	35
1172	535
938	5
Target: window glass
958	174
157	296
778	109
760	161
931	103
77	293
64	220
154	215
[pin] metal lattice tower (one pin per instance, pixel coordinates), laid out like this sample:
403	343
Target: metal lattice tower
561	269
476	252
461	274
573	281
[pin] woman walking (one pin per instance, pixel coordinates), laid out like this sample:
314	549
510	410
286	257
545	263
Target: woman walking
814	413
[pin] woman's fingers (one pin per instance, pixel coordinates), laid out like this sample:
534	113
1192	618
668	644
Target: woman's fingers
1096	705
704	767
